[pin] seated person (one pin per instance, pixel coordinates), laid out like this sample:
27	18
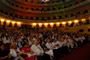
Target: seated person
4	54
50	46
28	52
16	53
30	42
1	41
6	40
56	46
63	46
46	50
24	41
18	44
70	43
39	51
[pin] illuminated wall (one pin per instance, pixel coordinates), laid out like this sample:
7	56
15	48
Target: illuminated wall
43	24
10	23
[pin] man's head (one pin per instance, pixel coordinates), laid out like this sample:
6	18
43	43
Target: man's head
48	41
36	42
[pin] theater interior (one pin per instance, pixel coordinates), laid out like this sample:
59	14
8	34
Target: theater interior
44	29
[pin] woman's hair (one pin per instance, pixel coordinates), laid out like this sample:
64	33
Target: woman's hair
41	42
24	44
11	47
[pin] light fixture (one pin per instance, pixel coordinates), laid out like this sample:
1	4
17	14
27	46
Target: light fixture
51	23
58	23
13	22
18	22
40	23
63	22
76	21
34	23
70	22
83	19
2	19
8	21
45	23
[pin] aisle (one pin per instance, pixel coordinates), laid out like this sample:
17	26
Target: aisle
82	53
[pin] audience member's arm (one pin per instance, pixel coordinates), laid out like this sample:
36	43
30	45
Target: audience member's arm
19	50
2	58
13	53
37	51
31	51
48	46
23	52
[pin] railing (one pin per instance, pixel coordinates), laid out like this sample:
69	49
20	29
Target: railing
87	15
53	11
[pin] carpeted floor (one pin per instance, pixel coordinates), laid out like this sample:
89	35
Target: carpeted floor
81	53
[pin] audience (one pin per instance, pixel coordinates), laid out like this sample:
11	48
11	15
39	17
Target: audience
16	53
38	44
46	50
38	50
4	54
28	52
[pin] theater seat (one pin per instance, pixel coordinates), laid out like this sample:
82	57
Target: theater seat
7	46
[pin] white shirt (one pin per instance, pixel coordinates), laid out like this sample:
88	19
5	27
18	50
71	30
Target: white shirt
30	42
83	38
60	45
70	40
80	38
28	38
37	49
65	41
6	41
53	37
49	45
76	39
53	44
13	52
20	40
40	35
18	44
34	39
